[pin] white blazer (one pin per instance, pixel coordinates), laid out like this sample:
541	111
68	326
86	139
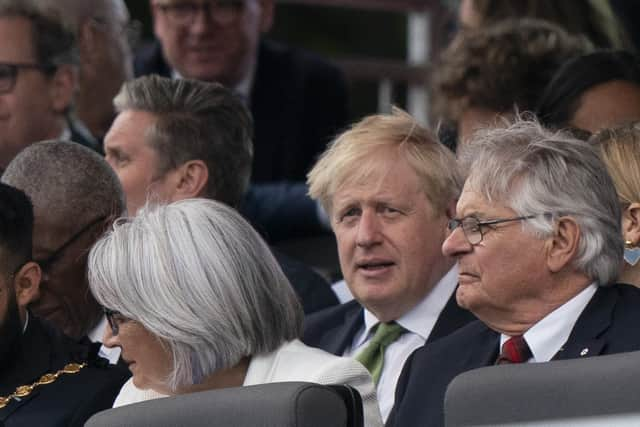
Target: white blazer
293	361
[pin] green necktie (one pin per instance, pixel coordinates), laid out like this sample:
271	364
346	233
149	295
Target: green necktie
372	357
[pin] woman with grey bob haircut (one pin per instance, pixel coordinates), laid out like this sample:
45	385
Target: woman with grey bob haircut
563	176
196	301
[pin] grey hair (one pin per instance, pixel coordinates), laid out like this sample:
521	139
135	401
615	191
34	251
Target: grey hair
197	276
196	120
54	41
64	180
536	171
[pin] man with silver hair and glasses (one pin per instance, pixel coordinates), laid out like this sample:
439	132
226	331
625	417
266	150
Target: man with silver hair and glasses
196	301
538	241
389	187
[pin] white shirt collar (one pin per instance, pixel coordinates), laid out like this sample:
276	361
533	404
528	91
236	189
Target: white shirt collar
546	337
421	319
26	321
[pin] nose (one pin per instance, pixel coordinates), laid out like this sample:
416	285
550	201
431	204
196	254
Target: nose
456	244
368	233
110	340
203	19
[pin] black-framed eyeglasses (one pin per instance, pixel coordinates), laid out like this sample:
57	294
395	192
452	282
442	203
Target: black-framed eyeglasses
115	319
9	73
46	263
472	227
184	13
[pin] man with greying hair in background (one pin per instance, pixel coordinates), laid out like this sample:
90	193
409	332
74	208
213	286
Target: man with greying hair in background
180	139
104	33
46	378
389	188
38	78
76	196
538	241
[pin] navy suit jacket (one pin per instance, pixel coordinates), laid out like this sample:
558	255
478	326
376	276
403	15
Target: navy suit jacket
335	328
313	291
298	102
72	398
606	326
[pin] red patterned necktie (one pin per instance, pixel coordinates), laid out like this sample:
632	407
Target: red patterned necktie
514	350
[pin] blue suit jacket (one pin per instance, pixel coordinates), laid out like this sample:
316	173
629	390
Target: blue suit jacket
335	328
606	326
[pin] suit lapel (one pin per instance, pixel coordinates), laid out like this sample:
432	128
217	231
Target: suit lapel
338	339
588	336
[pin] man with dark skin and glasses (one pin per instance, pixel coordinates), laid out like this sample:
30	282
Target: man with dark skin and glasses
46	378
76	196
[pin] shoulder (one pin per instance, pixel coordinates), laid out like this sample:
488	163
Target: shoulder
70	399
130	394
334	318
281	54
295	361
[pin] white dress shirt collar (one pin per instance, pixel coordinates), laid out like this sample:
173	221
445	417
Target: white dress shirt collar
421	319
547	337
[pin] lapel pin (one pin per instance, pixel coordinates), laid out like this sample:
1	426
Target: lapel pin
584	352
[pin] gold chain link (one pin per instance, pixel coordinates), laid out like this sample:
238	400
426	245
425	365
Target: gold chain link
25	390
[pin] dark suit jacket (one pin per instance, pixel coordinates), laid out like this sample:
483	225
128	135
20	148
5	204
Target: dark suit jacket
72	398
606	326
314	292
298	102
334	329
82	135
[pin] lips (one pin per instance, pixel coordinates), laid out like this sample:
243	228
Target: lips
374	264
467	277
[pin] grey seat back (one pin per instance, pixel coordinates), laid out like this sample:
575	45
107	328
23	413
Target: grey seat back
560	390
287	404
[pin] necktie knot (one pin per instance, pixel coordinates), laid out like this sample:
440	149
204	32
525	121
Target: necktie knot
372	357
514	350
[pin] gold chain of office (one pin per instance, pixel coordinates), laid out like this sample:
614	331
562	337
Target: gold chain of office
25	390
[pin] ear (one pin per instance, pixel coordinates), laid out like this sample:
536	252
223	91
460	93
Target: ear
27	284
631	224
563	245
267	12
192	178
63	85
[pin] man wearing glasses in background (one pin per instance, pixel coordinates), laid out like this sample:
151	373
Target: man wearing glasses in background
75	196
297	100
538	243
38	67
46	378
